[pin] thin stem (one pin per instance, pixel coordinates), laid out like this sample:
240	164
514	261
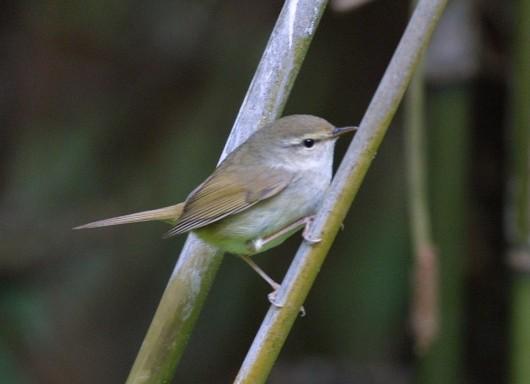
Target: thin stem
309	258
424	309
198	263
448	179
447	133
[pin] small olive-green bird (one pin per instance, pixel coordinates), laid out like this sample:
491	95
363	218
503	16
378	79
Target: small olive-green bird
260	194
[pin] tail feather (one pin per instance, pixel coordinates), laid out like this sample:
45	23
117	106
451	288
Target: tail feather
169	214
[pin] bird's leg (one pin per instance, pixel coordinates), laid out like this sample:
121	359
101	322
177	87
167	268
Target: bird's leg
260	272
293	227
271	296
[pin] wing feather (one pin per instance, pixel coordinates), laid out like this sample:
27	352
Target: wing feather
227	193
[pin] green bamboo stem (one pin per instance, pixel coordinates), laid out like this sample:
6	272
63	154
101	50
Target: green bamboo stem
448	135
198	263
519	235
448	119
424	309
309	258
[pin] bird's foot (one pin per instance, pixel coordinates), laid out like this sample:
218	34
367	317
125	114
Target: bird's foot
272	299
305	233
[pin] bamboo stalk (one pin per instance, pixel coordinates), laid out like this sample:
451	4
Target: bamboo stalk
198	263
309	258
424	308
519	204
449	131
448	120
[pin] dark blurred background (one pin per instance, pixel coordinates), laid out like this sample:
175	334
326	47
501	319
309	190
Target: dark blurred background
110	107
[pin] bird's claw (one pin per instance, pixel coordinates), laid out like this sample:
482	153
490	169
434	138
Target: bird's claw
272	299
305	233
311	240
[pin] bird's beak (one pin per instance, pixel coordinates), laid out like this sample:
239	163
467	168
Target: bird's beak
339	131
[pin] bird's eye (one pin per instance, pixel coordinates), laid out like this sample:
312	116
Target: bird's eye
308	143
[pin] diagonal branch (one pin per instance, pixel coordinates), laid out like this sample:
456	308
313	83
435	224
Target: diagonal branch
308	260
198	263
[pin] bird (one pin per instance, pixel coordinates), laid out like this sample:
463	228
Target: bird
263	192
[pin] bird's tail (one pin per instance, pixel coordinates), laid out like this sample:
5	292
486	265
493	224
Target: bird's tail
169	214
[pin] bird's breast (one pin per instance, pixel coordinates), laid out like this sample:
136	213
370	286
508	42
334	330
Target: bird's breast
299	199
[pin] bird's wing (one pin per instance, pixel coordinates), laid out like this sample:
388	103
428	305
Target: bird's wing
227	193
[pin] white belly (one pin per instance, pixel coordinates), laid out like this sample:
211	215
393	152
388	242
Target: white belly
301	198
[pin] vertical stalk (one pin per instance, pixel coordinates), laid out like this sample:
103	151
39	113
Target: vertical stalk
424	309
449	149
519	204
309	258
198	263
449	68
